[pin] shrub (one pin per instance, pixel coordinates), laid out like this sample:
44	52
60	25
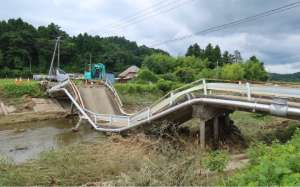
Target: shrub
169	77
147	76
272	166
233	72
216	161
206	73
164	85
185	74
136	88
159	63
11	89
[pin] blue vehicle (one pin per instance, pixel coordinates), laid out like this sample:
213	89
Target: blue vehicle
95	72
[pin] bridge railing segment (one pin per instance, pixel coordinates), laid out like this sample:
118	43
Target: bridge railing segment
243	95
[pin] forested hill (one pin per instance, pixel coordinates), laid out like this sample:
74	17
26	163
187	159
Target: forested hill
22	44
295	77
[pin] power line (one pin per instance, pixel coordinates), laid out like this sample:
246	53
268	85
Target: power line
147	16
233	23
138	13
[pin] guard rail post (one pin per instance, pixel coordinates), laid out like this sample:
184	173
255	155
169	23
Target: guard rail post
128	121
248	91
204	86
149	113
171	98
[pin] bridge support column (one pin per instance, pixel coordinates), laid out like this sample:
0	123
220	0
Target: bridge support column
211	117
202	134
216	131
227	120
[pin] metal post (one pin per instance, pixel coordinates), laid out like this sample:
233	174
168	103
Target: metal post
248	91
202	134
53	57
128	121
110	120
204	87
149	113
95	118
72	108
76	128
58	52
171	98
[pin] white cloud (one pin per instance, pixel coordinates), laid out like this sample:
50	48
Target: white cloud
274	39
284	68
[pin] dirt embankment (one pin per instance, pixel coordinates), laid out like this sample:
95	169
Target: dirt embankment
27	109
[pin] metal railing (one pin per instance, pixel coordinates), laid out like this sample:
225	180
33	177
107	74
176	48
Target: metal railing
203	89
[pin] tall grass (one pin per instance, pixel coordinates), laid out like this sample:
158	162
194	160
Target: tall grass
134	161
276	165
10	88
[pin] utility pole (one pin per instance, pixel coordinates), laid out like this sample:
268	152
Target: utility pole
58	52
217	69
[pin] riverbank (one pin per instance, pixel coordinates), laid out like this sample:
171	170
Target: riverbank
25	101
114	160
168	157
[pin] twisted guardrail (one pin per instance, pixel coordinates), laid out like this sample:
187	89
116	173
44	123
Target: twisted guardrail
276	100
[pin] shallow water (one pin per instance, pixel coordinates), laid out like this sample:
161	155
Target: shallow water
25	141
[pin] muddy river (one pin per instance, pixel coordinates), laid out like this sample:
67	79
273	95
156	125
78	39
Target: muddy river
22	142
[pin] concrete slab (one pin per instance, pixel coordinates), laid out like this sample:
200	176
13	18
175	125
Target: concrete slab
46	105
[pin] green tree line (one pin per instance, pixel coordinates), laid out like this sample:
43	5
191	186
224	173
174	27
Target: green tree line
25	49
23	46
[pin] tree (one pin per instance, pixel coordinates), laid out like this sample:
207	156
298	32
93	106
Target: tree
217	57
192	62
233	72
206	73
185	74
237	57
254	70
147	76
1	59
21	44
194	50
226	58
159	63
209	53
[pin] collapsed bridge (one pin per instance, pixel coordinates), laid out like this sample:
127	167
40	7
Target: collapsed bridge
207	100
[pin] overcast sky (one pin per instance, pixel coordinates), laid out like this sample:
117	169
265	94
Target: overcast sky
274	39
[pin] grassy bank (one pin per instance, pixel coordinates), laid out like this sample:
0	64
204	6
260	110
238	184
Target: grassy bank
18	94
115	161
264	128
10	88
275	165
136	97
140	160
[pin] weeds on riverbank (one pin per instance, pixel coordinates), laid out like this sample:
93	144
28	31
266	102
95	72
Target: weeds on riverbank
116	161
265	128
136	98
12	89
275	165
75	165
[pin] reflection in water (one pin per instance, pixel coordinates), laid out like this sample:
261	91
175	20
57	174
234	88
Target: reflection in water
20	142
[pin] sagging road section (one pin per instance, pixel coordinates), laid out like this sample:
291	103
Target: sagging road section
98	99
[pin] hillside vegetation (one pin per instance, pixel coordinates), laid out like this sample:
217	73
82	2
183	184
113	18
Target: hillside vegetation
21	44
294	77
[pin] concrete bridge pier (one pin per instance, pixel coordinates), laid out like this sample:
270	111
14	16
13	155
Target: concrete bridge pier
209	122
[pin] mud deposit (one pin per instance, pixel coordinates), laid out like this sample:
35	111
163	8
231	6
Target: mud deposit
25	141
